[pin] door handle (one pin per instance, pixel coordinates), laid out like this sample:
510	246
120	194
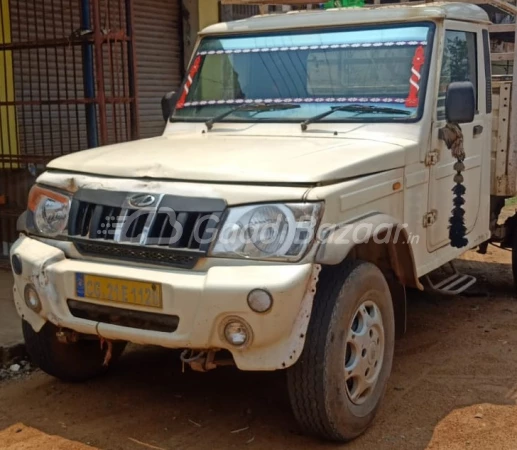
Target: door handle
478	129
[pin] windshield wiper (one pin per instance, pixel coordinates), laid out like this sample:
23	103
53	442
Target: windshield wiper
360	109
260	107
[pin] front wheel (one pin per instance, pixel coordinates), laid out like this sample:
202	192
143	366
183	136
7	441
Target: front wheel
77	361
338	383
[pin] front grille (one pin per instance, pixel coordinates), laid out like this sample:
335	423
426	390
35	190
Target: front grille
124	317
178	258
169	230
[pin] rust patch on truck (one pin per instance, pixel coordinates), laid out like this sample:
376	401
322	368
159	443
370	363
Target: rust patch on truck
297	340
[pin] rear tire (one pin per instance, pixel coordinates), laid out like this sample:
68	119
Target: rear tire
77	361
338	383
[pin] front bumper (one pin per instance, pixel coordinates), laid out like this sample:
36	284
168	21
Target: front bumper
203	301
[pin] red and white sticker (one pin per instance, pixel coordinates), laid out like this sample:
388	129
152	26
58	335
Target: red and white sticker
414	80
190	78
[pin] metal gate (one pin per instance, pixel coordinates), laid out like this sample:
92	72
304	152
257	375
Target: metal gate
67	83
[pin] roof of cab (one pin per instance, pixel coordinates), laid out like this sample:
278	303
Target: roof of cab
352	16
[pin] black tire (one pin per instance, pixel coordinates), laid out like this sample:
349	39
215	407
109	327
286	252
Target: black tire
319	395
74	362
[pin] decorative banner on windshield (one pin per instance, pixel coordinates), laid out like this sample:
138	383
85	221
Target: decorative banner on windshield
315	47
196	65
414	80
298	100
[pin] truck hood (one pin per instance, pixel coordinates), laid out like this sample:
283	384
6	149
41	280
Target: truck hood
242	159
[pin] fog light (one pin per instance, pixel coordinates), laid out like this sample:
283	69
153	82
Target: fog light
32	298
236	333
260	300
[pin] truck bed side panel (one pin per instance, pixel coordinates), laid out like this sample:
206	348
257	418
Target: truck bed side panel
503	157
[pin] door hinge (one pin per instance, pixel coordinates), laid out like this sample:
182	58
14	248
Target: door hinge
432	158
430	218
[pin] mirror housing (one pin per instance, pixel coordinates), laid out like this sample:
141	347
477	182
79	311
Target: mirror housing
169	101
460	102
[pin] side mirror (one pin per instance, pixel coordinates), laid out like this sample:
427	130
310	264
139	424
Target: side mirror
168	102
460	102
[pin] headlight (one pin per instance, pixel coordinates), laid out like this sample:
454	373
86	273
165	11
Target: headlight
49	211
273	231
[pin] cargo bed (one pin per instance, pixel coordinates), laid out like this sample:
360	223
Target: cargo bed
503	156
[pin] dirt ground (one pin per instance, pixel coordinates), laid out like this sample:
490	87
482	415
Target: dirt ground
454	386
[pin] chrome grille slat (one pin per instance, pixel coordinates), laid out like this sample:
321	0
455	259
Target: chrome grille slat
119	226
95	222
85	219
147	228
192	242
181	220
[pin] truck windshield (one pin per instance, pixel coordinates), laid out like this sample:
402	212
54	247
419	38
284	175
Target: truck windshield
317	70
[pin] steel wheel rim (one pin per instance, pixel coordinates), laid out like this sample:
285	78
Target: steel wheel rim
364	352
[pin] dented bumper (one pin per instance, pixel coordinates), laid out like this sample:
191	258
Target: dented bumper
202	301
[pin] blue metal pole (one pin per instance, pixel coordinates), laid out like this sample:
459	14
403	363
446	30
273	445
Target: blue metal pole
89	77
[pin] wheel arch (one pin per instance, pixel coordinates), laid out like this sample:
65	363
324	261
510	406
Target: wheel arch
379	239
384	243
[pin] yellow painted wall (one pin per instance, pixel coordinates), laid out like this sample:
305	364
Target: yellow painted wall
8	128
208	12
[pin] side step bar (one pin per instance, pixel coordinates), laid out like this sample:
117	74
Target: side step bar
453	285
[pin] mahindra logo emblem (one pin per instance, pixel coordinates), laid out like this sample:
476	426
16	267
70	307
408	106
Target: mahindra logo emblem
142	200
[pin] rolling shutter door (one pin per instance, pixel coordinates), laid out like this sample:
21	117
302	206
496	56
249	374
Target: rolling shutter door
157	26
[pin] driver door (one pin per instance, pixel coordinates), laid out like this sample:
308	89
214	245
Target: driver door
462	60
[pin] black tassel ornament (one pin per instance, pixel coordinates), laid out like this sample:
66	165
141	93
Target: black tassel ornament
453	137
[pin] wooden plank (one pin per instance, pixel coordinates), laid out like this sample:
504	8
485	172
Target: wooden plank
502	149
496	88
500	4
502	28
505	56
476	2
512	145
504	6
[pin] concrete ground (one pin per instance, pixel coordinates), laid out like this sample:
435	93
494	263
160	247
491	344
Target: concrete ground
10	329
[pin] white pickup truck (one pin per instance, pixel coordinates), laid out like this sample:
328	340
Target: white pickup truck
312	167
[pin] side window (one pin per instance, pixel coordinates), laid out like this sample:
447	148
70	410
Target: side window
459	64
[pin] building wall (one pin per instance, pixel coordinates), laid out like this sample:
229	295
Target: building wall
236	12
159	56
165	36
208	12
197	14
